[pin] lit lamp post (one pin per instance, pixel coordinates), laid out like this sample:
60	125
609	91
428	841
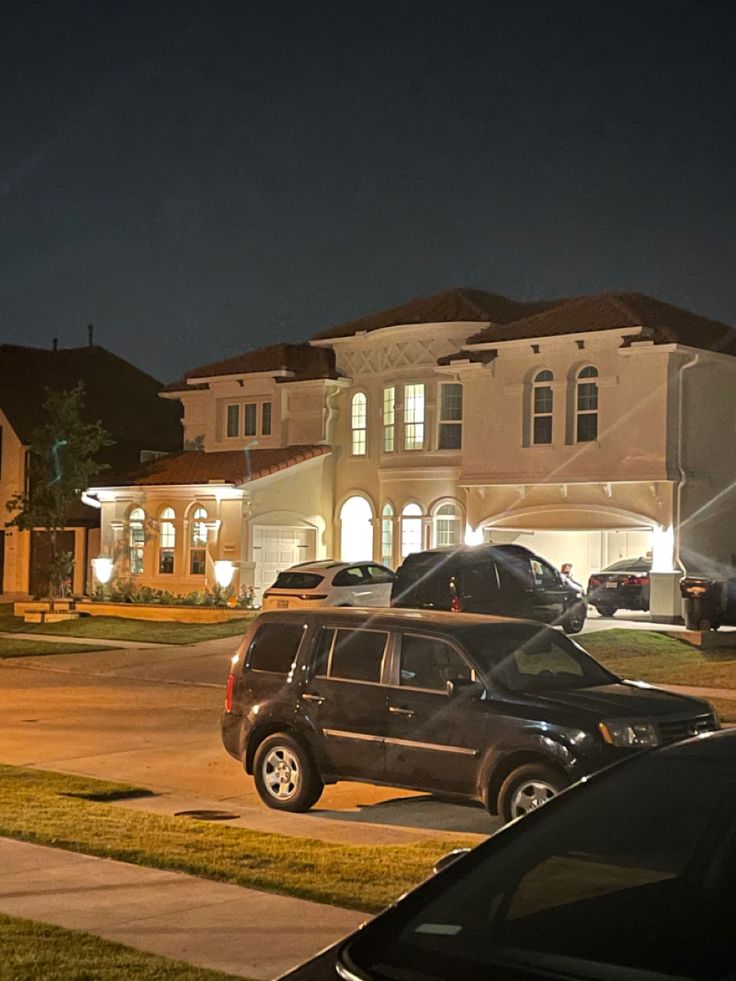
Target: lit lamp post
102	567
224	570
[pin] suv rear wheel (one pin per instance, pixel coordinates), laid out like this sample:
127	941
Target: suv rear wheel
528	787
285	775
605	609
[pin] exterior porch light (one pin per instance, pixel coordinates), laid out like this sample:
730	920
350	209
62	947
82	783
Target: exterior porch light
224	570
663	549
473	536
102	566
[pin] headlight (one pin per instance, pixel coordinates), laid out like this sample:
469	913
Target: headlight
626	732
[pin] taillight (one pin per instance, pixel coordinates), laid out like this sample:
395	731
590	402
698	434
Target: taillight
456	605
229	693
637	581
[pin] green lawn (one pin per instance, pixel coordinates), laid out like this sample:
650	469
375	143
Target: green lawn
659	658
70	812
10	647
117	628
31	951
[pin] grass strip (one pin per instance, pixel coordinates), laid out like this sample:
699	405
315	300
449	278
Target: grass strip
10	647
31	951
56	809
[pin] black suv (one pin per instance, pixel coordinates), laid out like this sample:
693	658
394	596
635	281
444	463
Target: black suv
503	711
507	580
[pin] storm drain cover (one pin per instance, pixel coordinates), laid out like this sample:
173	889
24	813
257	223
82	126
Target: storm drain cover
205	815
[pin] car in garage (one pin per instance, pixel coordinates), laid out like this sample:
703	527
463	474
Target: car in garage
500	711
629	875
330	583
621	586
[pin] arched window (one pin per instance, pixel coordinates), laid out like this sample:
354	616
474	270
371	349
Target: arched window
198	542
542	407
446	526
586	405
136	540
358	423
166	542
356	530
411	530
387	535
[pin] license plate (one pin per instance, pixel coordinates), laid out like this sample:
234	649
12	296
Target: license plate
282	604
611	585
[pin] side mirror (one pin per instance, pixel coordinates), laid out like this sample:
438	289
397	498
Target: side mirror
459	686
449	859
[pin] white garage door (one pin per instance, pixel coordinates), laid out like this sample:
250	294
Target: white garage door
276	548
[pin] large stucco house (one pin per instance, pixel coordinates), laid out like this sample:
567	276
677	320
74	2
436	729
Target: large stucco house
590	429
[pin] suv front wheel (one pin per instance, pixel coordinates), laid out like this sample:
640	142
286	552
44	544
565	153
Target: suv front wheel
285	775
528	787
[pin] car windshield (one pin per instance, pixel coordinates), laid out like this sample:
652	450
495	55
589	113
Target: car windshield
297	580
637	872
525	658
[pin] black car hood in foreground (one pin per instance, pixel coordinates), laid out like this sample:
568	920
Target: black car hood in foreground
626	699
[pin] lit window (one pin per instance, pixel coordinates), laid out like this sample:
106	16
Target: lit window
198	542
411	530
250	420
414	417
233	420
446	526
387	535
266	419
542	405
451	417
389	419
358	423
136	540
587	406
166	542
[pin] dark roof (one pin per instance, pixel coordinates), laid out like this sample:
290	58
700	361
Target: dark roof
231	466
457	305
305	361
122	397
608	311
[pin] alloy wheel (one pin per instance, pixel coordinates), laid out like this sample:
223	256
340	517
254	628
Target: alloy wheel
530	795
282	774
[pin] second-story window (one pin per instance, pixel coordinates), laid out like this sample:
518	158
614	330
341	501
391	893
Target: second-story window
414	417
586	405
542	408
198	542
450	435
136	540
389	419
266	419
233	420
358	423
167	542
250	419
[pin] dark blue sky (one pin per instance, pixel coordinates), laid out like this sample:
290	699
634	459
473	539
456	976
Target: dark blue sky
198	179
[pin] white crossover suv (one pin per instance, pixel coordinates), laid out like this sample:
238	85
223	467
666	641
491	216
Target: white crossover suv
330	583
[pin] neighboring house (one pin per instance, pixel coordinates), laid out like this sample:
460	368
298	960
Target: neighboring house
121	396
590	429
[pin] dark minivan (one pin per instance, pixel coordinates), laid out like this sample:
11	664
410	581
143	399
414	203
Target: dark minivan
506	580
506	712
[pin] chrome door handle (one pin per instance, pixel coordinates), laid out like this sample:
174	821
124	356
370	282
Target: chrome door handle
401	711
309	697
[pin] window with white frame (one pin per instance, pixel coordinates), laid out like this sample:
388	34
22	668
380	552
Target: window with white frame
414	416
450	435
166	542
586	405
542	408
387	535
136	540
198	542
250	419
266	419
358	423
233	421
389	419
446	526
411	529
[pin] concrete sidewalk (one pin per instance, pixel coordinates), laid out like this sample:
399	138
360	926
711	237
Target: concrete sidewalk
92	641
227	928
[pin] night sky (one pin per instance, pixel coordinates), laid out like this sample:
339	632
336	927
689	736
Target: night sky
197	179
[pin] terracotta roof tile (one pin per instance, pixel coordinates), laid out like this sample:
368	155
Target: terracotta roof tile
305	361
231	466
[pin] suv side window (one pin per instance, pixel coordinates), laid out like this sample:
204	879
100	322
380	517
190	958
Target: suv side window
427	662
353	576
377	574
545	576
274	647
514	573
357	655
321	652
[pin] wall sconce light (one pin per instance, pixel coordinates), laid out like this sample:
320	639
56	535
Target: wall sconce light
224	570
102	567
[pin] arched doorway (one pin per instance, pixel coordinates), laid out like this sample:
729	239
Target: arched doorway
356	530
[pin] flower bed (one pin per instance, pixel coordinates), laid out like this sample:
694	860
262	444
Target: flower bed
159	611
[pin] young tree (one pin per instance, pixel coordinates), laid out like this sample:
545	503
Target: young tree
61	465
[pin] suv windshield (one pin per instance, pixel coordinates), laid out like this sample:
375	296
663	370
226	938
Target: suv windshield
297	580
531	659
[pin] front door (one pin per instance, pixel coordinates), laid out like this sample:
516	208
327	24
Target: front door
345	700
434	740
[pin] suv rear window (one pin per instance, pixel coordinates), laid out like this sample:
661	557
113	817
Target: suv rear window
297	580
629	565
358	654
274	647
